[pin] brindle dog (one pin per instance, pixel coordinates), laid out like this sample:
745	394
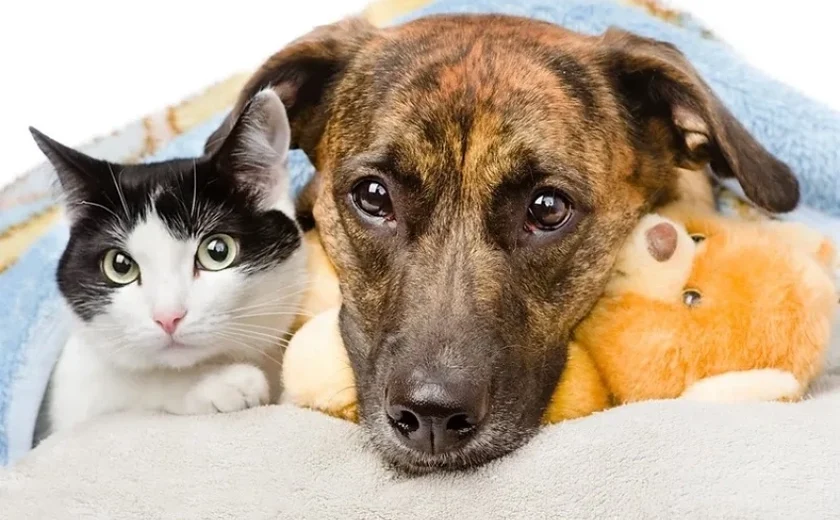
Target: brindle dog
477	175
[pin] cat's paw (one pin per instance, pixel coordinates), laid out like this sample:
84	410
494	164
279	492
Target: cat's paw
229	389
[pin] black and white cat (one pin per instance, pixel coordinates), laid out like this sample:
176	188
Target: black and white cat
182	276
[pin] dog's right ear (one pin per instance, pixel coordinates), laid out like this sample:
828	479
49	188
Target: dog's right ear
303	74
656	81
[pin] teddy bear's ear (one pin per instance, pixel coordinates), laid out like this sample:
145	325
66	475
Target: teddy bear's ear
656	260
661	241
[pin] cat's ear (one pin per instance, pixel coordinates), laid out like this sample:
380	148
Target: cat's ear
78	174
256	149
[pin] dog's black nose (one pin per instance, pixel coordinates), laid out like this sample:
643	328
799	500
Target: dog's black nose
434	414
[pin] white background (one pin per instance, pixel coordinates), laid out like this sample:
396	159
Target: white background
82	68
76	69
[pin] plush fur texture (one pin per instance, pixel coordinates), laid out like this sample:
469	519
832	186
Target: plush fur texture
316	370
758	331
182	276
766	297
460	125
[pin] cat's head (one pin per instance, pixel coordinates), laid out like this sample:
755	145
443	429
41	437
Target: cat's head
172	263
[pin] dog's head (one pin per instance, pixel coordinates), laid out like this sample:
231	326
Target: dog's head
478	175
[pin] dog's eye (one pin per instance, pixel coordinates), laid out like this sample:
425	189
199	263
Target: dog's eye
697	238
549	210
371	196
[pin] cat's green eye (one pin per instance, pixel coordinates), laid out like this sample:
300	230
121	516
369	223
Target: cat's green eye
119	268
216	252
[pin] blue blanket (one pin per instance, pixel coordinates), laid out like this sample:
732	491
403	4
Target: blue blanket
798	130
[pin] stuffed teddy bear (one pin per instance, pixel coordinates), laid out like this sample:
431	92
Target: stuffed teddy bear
713	308
698	307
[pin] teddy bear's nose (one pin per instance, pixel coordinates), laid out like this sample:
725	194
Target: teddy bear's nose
661	241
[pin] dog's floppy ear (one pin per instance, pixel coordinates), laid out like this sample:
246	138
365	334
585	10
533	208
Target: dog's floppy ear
655	80
302	74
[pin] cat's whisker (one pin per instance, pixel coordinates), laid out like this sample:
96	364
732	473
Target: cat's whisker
298	290
251	340
123	348
257	335
261	327
111	333
296	286
266	308
181	198
237	325
269	342
280	300
104	328
273	342
295	289
119	192
266	314
94	204
313	277
226	336
299	276
351	387
280	304
195	190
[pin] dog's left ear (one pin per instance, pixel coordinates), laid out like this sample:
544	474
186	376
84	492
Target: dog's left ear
303	74
655	80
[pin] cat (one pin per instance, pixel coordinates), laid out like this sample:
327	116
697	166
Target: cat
181	276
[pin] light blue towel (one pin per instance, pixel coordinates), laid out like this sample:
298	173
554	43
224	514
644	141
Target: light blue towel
799	131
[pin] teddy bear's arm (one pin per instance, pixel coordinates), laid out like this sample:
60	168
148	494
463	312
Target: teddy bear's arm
580	392
763	384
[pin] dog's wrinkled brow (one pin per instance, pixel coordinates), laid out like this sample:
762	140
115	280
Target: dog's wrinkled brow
392	164
379	163
532	172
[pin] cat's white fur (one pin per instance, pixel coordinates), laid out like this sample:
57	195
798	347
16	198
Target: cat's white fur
122	359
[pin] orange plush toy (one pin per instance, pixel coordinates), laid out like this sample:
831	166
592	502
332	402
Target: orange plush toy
708	308
699	307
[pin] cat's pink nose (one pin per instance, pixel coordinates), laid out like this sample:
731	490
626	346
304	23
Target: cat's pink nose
169	321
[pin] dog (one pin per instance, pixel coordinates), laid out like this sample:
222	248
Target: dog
477	175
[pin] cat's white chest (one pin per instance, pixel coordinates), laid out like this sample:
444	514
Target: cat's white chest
85	386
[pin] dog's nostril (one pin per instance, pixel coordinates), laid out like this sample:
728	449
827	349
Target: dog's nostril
460	423
435	413
406	422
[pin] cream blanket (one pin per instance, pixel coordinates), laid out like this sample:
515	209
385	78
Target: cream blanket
663	459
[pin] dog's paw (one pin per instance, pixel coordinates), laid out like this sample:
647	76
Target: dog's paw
229	389
746	386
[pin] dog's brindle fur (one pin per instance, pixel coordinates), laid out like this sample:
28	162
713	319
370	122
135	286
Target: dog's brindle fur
463	118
